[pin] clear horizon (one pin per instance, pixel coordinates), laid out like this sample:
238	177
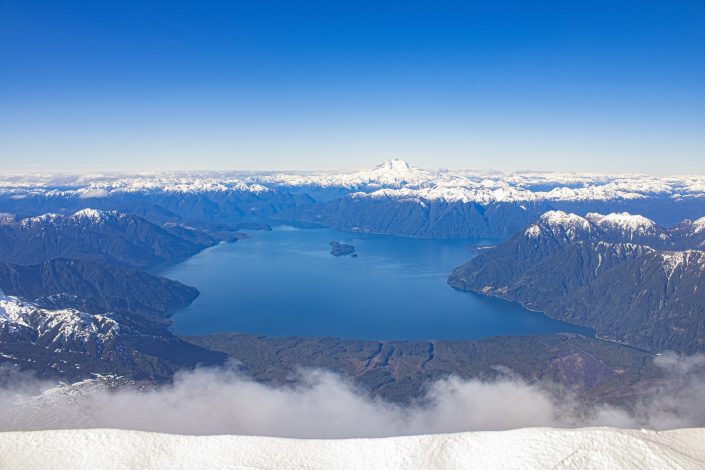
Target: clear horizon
608	87
116	172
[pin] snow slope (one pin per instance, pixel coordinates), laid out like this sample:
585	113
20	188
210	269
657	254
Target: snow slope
63	328
602	448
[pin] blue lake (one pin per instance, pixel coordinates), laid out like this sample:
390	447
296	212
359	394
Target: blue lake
286	283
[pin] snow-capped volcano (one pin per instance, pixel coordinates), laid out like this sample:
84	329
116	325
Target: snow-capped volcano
396	173
394	165
393	173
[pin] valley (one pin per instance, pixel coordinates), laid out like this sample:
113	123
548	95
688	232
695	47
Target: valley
143	276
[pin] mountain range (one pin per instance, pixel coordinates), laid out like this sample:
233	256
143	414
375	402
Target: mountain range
103	236
68	344
75	298
95	288
76	257
623	275
392	198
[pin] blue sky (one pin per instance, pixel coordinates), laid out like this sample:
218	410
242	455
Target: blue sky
565	85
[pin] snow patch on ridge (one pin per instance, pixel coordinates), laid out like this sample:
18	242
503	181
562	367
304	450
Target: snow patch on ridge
93	214
40	219
564	225
560	224
673	260
534	231
699	225
83	215
623	220
630	226
564	219
60	326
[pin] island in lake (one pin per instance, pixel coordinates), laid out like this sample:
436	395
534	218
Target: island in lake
342	249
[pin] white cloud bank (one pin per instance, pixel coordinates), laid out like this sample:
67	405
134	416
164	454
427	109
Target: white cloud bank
322	405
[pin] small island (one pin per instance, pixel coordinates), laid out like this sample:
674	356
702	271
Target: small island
342	249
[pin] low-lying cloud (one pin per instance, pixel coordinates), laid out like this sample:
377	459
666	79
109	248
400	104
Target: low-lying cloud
323	405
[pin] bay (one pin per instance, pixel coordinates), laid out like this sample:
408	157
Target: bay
286	283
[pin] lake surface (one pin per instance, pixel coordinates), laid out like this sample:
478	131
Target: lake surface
286	283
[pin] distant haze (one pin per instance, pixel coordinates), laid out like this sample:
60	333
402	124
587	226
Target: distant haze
582	86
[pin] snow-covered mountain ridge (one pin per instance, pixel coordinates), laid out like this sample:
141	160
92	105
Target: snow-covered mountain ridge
589	448
398	179
84	215
393	178
393	198
623	233
616	227
65	328
623	275
70	344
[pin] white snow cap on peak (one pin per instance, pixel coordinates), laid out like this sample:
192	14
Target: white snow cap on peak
396	170
621	219
674	259
699	225
40	219
559	223
97	215
392	173
57	325
91	213
394	164
564	219
624	222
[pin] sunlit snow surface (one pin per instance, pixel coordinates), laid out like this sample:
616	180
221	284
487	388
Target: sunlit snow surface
55	326
394	179
602	448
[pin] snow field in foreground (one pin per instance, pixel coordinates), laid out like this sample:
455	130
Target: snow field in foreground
602	448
